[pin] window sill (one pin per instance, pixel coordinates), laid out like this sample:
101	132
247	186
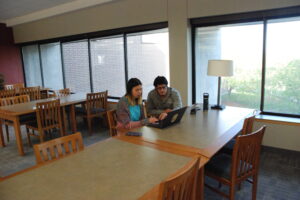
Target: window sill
278	120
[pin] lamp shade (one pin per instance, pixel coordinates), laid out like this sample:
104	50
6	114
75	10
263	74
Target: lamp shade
220	68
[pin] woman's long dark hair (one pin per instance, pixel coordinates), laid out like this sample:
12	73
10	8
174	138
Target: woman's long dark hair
130	85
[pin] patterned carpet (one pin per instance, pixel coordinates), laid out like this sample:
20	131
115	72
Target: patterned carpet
279	175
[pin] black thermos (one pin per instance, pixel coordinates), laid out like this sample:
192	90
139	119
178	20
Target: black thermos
205	101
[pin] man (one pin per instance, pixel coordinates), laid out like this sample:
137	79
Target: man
162	99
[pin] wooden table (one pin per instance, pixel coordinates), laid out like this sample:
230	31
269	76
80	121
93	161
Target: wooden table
13	113
111	169
204	133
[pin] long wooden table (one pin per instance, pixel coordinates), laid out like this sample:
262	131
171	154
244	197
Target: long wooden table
13	113
204	133
111	169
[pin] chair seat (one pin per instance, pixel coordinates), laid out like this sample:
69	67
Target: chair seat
32	125
24	119
93	110
228	148
219	165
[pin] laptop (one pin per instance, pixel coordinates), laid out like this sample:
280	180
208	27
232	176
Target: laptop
173	117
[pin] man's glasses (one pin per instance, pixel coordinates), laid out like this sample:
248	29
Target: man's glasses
161	87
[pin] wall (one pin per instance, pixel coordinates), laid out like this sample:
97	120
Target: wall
281	135
112	15
10	58
126	13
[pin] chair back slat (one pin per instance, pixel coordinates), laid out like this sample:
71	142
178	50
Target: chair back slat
246	153
182	185
248	125
7	93
96	101
33	92
58	148
48	115
112	122
14	100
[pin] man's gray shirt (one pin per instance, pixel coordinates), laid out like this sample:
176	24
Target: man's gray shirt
156	105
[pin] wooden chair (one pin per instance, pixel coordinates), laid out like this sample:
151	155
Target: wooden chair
33	92
95	106
181	185
242	165
64	92
112	122
58	148
7	93
48	116
61	93
14	86
16	100
247	128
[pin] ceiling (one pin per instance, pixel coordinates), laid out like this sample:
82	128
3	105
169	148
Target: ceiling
14	12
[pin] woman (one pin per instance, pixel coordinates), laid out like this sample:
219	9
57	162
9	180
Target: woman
130	112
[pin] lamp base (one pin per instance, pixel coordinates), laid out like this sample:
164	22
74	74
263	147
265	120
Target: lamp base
217	107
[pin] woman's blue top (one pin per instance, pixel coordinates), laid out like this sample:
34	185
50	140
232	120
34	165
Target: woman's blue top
135	113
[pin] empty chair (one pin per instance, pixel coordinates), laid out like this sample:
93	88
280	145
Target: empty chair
33	92
112	122
247	128
182	185
60	93
16	86
7	93
242	165
95	106
58	148
64	92
48	116
23	118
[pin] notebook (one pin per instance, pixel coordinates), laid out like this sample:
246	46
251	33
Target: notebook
173	117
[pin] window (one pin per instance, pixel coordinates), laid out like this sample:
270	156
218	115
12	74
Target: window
100	61
148	57
76	66
282	87
241	43
32	68
51	66
264	49
108	67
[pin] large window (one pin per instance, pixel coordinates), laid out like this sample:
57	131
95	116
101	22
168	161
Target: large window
282	88
100	63
266	63
51	66
32	67
148	57
241	43
108	67
76	66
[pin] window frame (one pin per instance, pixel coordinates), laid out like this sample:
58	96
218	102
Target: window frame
237	18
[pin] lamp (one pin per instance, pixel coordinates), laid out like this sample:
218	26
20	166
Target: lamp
219	68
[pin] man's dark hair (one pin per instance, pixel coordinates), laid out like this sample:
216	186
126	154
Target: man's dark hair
131	84
160	80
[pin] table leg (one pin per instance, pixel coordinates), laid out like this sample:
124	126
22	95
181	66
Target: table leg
73	118
2	143
64	120
17	128
200	188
